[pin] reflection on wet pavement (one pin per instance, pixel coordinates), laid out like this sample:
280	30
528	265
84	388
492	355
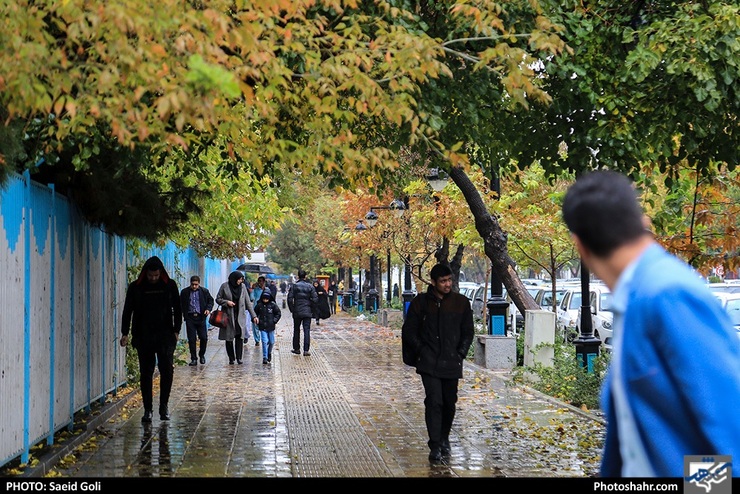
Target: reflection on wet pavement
351	409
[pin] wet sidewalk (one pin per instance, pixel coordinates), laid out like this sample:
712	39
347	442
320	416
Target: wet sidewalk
350	409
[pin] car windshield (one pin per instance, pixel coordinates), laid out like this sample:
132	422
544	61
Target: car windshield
733	308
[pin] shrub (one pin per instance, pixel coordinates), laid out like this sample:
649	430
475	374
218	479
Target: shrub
566	379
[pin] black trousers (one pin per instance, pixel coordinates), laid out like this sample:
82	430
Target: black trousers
439	408
237	344
297	323
161	355
195	326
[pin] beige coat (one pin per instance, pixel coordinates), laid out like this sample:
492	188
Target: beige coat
237	312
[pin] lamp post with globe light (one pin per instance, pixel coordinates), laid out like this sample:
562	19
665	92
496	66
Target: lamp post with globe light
398	208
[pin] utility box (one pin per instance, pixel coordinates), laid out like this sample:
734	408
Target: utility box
495	352
539	328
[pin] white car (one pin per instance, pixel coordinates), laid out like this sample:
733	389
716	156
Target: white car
568	317
731	303
468	289
602	317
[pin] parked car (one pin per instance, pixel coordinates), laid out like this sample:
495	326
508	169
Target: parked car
468	289
731	303
516	318
602	317
568	322
724	287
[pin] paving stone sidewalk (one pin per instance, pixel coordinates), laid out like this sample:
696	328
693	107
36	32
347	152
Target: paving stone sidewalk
350	409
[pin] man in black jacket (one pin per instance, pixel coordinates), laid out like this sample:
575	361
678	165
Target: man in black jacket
439	331
196	303
302	301
152	313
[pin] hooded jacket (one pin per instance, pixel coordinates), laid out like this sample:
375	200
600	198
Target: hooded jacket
151	311
268	313
440	332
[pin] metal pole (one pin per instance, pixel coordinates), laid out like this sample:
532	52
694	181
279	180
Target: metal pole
371	301
587	345
498	307
389	296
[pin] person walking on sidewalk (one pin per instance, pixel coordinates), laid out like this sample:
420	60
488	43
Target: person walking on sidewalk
321	310
673	384
332	293
152	314
257	290
439	331
302	300
233	297
196	303
268	314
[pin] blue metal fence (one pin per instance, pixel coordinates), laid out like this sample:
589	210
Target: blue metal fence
64	283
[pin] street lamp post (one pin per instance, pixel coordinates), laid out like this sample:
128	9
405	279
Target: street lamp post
587	345
497	307
359	228
398	207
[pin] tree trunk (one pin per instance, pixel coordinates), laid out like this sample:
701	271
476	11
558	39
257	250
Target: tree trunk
494	242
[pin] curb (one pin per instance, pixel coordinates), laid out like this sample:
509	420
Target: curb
54	453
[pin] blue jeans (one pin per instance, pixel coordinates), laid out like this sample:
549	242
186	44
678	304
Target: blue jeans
268	342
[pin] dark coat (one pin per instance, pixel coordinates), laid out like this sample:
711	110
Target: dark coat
439	332
268	313
323	311
206	300
151	311
302	299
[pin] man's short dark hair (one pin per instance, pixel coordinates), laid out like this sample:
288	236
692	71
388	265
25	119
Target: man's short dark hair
440	270
195	277
301	274
603	210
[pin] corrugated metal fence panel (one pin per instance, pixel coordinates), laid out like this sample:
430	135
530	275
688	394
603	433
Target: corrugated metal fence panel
12	319
61	402
67	280
38	352
62	298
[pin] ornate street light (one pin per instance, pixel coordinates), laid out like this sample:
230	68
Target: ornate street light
497	307
372	299
359	228
437	179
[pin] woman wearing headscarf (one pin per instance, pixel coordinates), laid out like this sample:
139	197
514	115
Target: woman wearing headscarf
234	298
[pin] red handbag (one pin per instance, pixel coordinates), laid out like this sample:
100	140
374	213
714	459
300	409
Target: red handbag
218	318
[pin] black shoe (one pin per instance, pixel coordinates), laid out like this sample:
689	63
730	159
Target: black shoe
445	448
264	361
246	340
193	362
164	414
306	354
318	323
435	455
297	352
256	343
238	361
231	362
147	418
202	360
269	357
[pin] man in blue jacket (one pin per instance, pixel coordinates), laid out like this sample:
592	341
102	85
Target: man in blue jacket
673	386
438	331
